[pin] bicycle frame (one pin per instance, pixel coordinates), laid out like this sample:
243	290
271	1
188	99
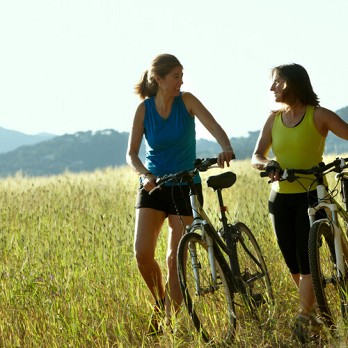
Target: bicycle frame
200	218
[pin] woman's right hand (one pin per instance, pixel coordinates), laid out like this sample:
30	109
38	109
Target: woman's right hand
149	182
273	169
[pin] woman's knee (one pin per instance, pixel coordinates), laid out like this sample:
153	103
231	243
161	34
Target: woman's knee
143	256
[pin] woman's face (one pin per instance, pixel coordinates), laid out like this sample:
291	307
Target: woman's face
171	83
278	87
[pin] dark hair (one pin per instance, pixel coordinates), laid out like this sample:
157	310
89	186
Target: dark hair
161	66
298	84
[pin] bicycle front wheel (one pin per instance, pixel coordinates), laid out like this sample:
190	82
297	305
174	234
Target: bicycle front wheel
329	286
255	290
209	301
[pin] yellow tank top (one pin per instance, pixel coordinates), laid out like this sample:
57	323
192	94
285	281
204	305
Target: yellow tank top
300	147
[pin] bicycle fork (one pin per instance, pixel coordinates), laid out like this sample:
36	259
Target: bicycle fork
341	248
196	264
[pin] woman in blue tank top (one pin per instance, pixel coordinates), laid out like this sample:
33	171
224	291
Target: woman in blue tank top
166	120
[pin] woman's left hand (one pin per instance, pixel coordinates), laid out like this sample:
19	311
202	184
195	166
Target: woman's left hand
225	157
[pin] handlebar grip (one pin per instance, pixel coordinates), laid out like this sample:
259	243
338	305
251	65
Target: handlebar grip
264	174
203	164
212	161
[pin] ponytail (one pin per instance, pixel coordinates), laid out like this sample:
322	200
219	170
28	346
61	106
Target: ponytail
147	86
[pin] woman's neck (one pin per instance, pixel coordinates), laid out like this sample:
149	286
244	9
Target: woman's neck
164	104
294	109
293	114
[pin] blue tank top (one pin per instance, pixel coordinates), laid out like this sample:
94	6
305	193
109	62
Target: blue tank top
170	143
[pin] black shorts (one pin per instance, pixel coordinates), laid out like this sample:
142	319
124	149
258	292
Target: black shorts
289	215
173	200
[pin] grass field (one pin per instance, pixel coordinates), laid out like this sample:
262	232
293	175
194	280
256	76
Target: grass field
69	278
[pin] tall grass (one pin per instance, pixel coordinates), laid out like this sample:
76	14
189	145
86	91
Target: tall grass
68	275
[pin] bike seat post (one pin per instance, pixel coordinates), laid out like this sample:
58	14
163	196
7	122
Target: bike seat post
223	208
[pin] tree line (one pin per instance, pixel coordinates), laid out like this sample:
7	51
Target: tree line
88	151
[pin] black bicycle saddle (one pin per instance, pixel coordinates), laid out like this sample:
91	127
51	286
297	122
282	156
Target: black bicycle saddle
221	181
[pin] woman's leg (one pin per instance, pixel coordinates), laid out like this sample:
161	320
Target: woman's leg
305	285
306	293
148	224
296	278
176	229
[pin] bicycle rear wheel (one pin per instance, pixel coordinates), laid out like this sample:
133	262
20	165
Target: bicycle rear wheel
209	302
255	290
330	288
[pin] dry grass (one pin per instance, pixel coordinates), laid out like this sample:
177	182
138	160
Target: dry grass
69	279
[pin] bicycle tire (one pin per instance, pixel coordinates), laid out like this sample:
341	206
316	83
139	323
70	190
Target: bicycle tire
330	290
257	293
211	308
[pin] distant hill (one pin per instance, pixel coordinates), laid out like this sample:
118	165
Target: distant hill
10	140
88	151
82	151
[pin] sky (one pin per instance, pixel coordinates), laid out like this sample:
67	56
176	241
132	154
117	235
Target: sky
71	65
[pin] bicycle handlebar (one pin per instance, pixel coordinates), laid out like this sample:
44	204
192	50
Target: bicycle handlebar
199	165
319	170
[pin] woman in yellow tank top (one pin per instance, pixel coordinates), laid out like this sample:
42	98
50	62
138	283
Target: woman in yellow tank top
296	133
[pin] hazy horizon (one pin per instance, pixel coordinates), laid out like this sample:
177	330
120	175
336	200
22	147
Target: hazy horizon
69	66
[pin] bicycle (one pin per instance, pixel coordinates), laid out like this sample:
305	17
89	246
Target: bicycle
221	272
328	244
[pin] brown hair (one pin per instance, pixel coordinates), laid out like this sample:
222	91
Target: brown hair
298	84
161	66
